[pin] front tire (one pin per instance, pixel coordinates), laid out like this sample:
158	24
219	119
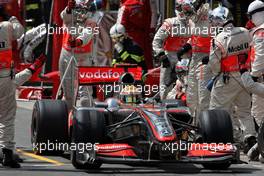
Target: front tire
49	126
88	128
216	127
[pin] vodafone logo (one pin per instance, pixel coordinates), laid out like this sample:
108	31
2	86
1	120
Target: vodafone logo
100	74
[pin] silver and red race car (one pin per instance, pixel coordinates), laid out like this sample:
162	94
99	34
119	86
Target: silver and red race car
148	132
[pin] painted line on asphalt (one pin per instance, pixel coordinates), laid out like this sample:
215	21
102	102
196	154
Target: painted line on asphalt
41	158
48	165
25	107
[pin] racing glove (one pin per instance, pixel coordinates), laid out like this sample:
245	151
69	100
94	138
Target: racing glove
73	43
38	63
71	5
185	49
205	60
164	60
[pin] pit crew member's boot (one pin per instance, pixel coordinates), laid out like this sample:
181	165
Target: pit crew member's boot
249	142
8	159
253	153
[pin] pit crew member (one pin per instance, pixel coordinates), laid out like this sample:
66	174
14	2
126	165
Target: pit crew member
167	44
125	49
229	54
77	43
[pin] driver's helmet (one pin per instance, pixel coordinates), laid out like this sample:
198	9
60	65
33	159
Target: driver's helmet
130	94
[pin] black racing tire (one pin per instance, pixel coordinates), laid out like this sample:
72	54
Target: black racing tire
261	139
88	127
49	125
216	127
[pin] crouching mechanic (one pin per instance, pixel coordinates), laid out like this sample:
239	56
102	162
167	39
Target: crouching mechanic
125	49
77	42
254	81
168	43
256	88
229	53
10	30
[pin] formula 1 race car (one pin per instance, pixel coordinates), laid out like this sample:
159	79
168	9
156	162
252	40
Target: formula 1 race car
148	132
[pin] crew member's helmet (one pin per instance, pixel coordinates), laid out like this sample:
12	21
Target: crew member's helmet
178	9
256	12
118	32
113	104
85	9
190	7
220	16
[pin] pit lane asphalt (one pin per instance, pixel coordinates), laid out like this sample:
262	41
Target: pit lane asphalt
60	165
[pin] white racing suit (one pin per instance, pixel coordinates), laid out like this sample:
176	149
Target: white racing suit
253	87
9	31
229	53
198	97
170	40
82	54
257	58
29	41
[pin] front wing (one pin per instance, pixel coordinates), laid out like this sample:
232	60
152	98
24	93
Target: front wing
198	154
